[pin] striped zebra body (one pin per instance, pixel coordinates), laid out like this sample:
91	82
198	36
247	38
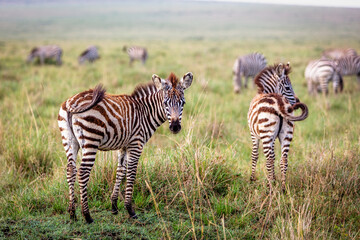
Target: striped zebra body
349	66
93	120
91	54
338	53
247	66
46	52
136	53
319	73
270	116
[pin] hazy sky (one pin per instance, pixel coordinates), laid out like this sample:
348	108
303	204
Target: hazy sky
327	3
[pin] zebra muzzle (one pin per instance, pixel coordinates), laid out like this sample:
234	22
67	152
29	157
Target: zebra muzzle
175	126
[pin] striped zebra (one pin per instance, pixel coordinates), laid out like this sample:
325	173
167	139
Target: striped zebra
349	66
91	54
94	120
271	116
339	53
319	73
46	52
247	66
136	53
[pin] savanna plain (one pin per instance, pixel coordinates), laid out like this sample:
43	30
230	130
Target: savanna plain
193	185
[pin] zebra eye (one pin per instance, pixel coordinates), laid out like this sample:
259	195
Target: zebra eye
287	88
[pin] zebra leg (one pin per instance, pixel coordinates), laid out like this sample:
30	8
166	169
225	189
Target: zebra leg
254	156
285	140
120	174
246	81
133	155
42	59
86	165
270	158
131	62
71	147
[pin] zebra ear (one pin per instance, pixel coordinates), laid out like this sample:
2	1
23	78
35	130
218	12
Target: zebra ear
159	83
186	80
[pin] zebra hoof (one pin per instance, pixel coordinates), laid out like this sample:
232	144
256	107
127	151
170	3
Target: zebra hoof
134	216
88	218
114	209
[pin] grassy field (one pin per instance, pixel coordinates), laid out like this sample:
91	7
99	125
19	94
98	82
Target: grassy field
193	185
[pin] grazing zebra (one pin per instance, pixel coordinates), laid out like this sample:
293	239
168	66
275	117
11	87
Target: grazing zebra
339	53
319	73
271	115
349	66
46	52
136	53
93	120
247	66
91	54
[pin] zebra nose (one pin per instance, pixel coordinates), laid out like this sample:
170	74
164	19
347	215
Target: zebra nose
175	126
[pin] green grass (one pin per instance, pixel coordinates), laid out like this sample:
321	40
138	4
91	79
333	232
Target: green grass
194	184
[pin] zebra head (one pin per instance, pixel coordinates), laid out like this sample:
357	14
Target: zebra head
174	99
32	55
284	85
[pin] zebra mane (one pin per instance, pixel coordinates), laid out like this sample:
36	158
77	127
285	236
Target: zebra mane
143	90
270	75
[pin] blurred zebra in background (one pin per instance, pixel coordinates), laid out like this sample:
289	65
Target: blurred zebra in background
271	116
339	53
247	66
349	66
136	53
93	120
91	54
46	52
318	75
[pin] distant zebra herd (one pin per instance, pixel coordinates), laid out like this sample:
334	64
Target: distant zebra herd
94	120
333	65
91	54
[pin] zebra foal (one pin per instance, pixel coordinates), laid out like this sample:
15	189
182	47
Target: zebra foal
270	116
46	52
91	54
318	75
94	120
247	66
136	53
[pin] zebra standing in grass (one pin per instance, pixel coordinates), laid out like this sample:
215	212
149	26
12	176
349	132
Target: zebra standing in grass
339	53
46	52
247	66
349	66
136	53
271	116
318	74
91	54
93	120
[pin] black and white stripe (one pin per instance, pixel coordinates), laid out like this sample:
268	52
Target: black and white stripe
247	66
93	120
46	52
319	73
349	66
136	53
91	54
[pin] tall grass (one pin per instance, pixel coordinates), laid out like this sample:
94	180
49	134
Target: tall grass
191	185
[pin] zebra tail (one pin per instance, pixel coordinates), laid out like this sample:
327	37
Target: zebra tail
97	96
304	114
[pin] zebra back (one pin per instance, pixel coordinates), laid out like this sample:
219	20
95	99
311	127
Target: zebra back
250	65
339	53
